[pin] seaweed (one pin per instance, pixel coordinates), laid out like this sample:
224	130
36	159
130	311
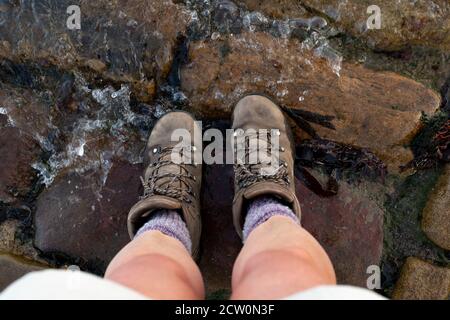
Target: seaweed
333	156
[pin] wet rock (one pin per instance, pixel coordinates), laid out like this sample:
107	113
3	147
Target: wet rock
226	17
420	280
26	110
350	228
17	152
25	126
403	23
121	41
277	9
85	219
13	268
90	138
380	111
436	215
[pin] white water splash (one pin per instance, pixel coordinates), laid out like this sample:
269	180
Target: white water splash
10	121
321	47
97	138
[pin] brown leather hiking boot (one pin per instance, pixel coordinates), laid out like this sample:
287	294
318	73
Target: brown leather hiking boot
257	112
168	185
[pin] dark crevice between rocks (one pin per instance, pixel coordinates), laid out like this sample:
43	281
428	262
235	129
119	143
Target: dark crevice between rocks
315	12
168	93
180	58
28	75
445	92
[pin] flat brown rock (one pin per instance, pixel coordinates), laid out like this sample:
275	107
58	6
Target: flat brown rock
13	268
436	215
420	280
376	110
349	226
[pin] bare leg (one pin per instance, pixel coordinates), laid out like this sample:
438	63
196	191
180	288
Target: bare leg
280	258
157	266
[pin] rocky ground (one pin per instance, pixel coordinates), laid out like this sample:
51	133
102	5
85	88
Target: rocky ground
369	109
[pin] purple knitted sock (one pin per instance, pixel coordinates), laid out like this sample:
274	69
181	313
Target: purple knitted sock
262	209
171	224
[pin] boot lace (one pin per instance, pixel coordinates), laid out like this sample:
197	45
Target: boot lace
248	174
169	188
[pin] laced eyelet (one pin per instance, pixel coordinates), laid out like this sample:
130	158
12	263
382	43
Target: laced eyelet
249	174
167	188
156	150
